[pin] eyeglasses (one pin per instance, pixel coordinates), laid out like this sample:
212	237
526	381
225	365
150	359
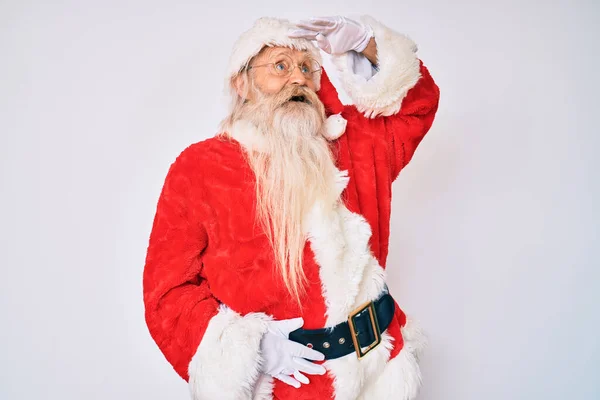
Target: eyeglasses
284	66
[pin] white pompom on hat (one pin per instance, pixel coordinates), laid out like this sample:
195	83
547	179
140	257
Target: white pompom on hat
270	32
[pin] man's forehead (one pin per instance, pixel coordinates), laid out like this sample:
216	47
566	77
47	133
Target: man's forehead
270	51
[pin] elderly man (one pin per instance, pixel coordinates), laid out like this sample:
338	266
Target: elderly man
265	272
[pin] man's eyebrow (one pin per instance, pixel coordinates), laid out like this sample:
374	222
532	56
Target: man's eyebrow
278	52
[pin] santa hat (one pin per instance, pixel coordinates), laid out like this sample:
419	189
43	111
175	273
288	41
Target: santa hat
270	32
273	32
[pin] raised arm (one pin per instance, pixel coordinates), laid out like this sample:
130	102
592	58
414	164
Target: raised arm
399	101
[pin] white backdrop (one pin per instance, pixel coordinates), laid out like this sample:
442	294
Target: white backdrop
494	244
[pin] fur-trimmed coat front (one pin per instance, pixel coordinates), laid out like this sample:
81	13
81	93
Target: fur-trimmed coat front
209	286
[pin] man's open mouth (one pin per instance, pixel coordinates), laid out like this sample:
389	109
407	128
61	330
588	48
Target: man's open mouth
300	99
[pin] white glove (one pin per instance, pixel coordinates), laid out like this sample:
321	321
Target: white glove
334	35
283	357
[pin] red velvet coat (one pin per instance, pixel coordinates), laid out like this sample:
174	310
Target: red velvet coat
209	286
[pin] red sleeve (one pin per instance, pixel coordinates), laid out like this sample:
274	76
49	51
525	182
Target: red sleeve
177	298
405	129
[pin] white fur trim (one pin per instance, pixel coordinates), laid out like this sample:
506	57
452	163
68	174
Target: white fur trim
264	388
399	71
415	340
227	362
401	377
248	135
350	276
270	32
335	126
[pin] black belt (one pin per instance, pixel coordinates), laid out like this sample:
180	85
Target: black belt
360	334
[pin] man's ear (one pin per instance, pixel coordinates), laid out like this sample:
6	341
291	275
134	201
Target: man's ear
240	83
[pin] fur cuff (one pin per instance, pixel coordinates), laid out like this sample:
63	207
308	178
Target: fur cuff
399	71
227	362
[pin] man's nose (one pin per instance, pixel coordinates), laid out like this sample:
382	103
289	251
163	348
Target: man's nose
297	77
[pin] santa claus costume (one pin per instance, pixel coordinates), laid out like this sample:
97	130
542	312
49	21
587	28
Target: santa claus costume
209	283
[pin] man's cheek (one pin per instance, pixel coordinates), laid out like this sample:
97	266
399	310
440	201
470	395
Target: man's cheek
272	87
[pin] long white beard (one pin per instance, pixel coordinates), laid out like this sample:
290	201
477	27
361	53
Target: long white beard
295	170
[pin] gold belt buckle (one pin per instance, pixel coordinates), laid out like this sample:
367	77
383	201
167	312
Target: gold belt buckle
375	324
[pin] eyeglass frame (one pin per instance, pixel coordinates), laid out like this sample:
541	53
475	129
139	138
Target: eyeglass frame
291	71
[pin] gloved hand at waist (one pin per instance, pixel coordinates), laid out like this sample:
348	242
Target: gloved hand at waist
286	360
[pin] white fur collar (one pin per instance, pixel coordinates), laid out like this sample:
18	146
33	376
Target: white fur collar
248	135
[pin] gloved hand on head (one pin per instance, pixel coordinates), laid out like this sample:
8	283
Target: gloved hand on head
334	35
